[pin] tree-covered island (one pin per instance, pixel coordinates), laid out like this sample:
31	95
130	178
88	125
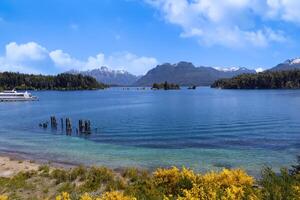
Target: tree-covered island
264	80
165	86
19	81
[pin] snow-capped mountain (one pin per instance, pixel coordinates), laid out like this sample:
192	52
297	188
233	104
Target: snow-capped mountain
233	69
289	64
109	76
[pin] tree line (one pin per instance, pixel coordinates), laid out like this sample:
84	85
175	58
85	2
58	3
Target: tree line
19	81
264	80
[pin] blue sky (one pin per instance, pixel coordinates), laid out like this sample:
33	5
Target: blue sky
53	36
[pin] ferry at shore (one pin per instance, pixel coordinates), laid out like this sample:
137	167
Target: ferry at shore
13	95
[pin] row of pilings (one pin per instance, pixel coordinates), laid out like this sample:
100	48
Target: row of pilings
84	126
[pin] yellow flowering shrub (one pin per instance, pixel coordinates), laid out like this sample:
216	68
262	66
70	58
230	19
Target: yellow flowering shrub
296	190
63	196
225	185
3	197
115	195
173	181
86	196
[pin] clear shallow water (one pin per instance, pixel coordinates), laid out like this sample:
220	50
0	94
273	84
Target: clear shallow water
203	129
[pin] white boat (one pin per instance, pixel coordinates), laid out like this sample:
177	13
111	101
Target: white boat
13	95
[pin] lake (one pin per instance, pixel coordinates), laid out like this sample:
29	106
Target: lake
204	129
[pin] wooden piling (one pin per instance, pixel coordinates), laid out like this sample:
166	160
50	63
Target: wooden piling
68	126
53	122
62	123
80	126
87	126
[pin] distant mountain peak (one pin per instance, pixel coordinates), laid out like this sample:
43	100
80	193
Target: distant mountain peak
109	76
290	64
106	69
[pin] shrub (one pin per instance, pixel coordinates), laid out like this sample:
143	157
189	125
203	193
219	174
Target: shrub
19	180
66	187
279	186
78	172
44	170
227	184
97	176
116	196
173	181
63	196
60	175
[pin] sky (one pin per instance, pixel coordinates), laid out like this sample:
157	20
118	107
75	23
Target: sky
54	36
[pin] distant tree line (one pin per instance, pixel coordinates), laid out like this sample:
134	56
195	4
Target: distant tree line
165	86
264	80
19	81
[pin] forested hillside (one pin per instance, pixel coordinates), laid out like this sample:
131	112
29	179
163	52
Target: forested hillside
264	80
11	80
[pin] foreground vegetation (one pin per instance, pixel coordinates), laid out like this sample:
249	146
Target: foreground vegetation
10	80
165	86
99	183
263	80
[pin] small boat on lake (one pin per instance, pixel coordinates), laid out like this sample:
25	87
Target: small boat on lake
13	95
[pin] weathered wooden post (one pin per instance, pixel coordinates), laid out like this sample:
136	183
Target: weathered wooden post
87	126
62	123
68	126
81	127
53	122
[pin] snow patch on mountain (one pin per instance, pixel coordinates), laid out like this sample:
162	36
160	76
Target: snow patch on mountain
258	70
292	61
227	69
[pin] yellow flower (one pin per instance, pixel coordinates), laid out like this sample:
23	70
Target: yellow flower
115	196
63	196
86	196
224	185
3	197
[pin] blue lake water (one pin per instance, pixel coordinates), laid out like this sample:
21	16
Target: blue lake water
204	129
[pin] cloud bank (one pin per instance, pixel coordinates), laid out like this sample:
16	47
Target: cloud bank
230	23
34	58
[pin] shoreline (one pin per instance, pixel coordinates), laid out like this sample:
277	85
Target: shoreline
13	163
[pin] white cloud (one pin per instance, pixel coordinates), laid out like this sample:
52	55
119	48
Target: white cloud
24	52
123	60
64	60
231	23
23	57
287	10
34	58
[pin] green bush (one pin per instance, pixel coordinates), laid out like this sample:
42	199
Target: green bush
97	176
60	175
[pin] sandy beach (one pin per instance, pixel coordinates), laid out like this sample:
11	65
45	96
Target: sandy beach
11	166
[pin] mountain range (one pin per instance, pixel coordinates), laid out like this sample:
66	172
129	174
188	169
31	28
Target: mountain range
185	73
108	76
182	73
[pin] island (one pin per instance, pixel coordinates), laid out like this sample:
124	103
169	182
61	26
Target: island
19	81
289	79
165	86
